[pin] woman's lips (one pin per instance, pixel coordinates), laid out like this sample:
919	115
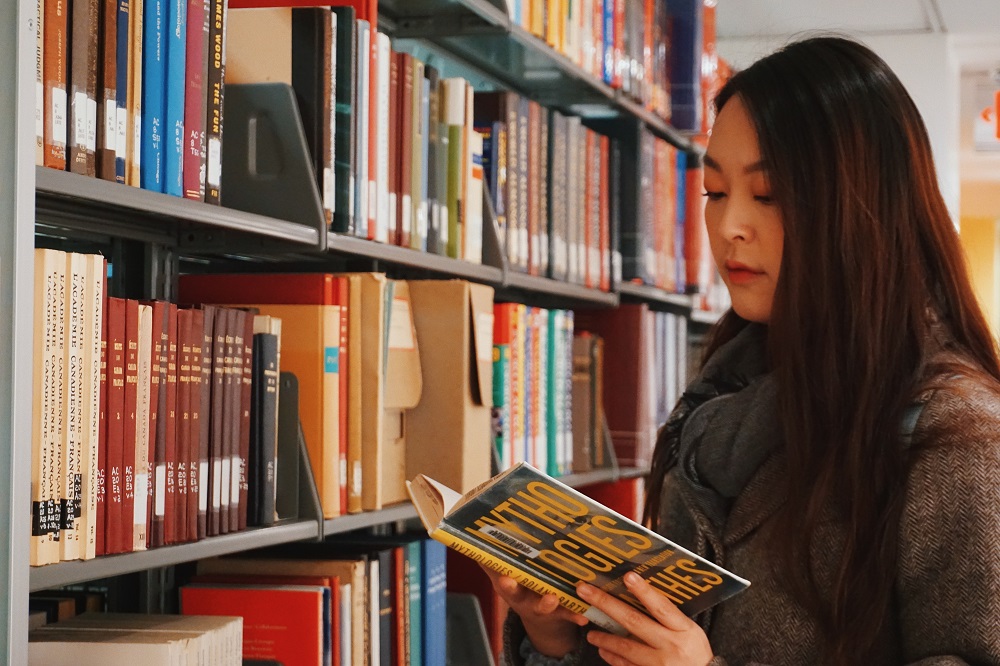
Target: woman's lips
741	274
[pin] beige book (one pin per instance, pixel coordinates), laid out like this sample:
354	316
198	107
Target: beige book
83	646
93	325
144	380
418	207
71	386
50	281
134	94
39	83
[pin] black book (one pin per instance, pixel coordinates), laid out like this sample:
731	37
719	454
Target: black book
215	91
263	429
345	140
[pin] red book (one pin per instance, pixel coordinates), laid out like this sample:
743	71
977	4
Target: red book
183	421
194	468
170	449
283	623
116	424
624	496
161	323
155	440
244	440
395	150
102	451
605	215
588	198
195	99
230	419
216	411
619	44
127	520
204	418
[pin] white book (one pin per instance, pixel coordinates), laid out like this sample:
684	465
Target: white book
72	386
474	200
142	407
361	88
93	326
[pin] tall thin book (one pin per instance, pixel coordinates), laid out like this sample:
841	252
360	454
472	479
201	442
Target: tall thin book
550	538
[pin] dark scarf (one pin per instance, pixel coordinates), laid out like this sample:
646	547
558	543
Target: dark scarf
724	427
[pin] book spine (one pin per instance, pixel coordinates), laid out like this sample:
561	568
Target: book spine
93	370
343	298
195	99
49	357
434	584
216	411
329	481
129	417
228	418
134	155
422	211
152	421
501	383
82	101
404	139
184	425
543	190
604	232
55	68
195	478
534	178
243	452
71	482
345	136
205	419
158	432
40	98
413	158
215	94
269	427
380	131
116	422
154	79
122	87
174	108
362	99
171	501
100	519
107	91
140	515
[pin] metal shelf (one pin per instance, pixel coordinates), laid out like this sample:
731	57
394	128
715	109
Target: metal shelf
357	521
69	200
554	293
657	298
68	573
406	257
607	475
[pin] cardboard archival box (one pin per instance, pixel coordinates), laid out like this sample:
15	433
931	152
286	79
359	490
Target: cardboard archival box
448	432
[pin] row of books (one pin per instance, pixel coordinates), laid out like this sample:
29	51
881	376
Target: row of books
153	640
393	148
363	600
548	177
146	417
387	370
626	43
533	409
132	91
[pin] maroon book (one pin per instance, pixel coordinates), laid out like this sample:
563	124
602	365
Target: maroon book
127	520
183	420
194	450
216	446
170	504
115	423
244	441
195	99
161	322
102	441
107	91
205	421
231	426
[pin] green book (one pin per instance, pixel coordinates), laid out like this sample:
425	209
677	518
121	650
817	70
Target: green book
413	571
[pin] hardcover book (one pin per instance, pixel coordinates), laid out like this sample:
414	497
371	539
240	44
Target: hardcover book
549	538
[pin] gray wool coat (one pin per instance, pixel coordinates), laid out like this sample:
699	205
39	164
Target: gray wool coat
946	607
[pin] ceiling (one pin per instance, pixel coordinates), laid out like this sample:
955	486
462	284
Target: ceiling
770	18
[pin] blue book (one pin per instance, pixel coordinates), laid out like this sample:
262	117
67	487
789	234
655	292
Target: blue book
176	82
609	41
154	69
121	90
434	581
414	573
685	63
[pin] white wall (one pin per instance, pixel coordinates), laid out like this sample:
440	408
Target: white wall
926	66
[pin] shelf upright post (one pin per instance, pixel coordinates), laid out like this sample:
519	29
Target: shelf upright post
17	233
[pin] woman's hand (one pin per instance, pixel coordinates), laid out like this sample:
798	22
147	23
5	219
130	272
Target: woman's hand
671	638
552	629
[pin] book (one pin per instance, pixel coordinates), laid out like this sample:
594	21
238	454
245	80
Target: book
549	538
195	99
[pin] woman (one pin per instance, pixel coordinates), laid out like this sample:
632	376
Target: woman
841	446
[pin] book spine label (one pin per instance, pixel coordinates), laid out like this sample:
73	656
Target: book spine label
174	142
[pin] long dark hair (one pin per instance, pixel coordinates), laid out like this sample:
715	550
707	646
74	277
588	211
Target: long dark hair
871	260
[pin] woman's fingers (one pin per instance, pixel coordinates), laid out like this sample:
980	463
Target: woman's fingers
635	621
661	608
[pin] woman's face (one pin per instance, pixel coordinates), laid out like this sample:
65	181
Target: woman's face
744	224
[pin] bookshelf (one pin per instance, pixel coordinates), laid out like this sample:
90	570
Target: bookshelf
37	202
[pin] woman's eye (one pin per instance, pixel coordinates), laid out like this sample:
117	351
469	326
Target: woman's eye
764	199
714	196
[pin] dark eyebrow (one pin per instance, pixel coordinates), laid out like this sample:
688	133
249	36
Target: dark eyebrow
712	164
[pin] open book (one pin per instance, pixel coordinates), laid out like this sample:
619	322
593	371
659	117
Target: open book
549	537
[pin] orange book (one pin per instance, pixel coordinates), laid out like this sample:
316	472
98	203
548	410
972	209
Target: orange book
55	67
605	215
284	623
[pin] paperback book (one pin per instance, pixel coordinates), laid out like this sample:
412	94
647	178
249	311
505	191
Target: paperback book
550	537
